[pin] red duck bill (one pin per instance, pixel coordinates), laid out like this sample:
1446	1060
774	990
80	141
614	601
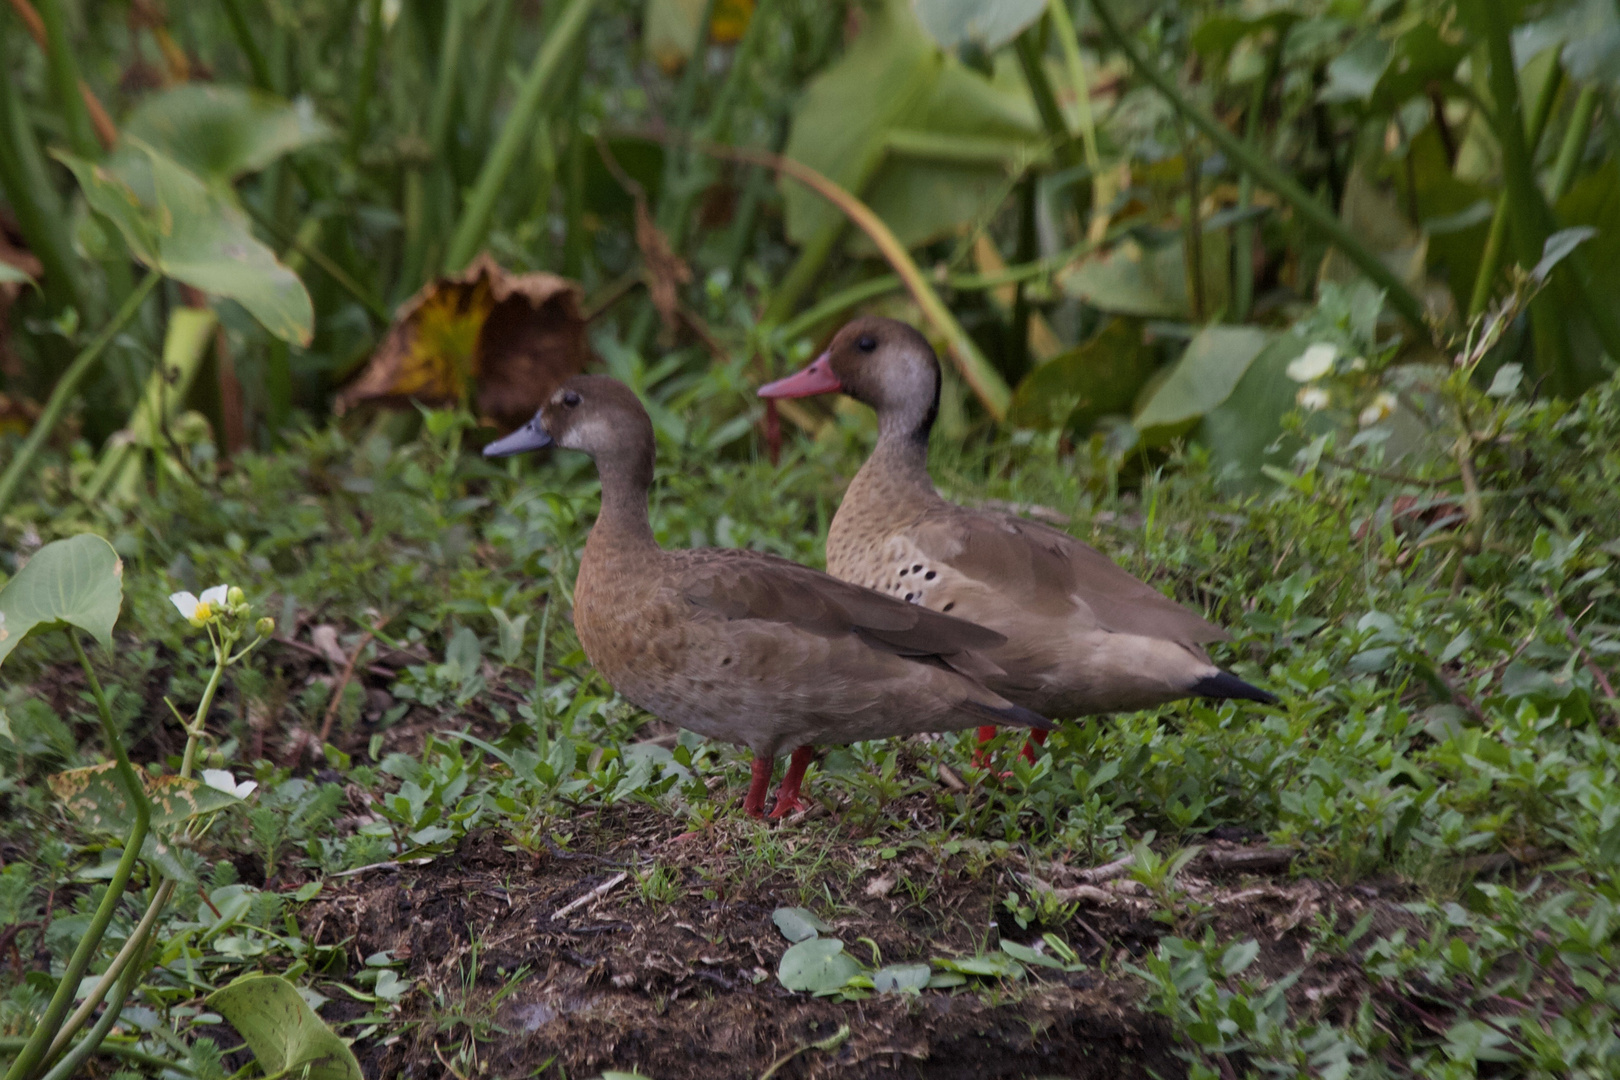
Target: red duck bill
818	378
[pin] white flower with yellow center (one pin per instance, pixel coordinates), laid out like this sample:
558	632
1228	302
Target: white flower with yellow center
200	609
1381	407
1314	362
224	781
1313	398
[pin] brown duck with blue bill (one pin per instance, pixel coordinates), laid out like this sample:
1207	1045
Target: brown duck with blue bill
740	645
1083	636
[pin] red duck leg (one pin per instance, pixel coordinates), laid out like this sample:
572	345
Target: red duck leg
787	795
754	803
1036	738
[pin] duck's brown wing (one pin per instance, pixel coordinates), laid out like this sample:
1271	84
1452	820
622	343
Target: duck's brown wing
1045	571
752	585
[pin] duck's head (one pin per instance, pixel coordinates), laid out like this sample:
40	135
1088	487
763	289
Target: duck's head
879	362
590	413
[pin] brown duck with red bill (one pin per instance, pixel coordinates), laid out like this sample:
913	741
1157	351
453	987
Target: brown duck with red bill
1083	636
743	646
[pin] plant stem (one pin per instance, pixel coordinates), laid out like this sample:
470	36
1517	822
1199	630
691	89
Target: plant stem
360	115
481	103
475	217
1573	148
10	1044
847	298
1528	216
195	729
115	1008
1314	213
1067	149
976	371
444	87
1193	230
65	387
1243	235
1069	42
258	66
28	189
64	75
32	1054
1490	260
132	944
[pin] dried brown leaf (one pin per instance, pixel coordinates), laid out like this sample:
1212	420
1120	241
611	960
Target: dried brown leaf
505	341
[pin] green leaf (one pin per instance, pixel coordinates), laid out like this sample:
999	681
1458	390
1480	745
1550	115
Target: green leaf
1077	387
901	978
1205	376
1240	431
96	797
989	24
282	1030
891	79
221	132
10	275
819	966
177	225
996	965
1239	956
1353	75
798	924
78	581
1026	955
1375	216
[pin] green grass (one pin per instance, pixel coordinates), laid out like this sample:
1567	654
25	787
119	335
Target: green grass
1440	733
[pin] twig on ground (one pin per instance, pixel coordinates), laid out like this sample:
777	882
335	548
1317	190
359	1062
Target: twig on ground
595	894
342	683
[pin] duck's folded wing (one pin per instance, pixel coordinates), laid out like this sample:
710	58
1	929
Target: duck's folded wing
751	585
1047	571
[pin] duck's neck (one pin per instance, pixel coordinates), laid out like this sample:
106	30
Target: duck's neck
896	475
623	524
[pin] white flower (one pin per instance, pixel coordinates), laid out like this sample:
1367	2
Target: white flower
199	610
1314	362
221	780
1313	398
1381	407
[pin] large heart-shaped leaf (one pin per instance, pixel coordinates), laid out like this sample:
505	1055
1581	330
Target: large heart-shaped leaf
893	82
182	228
282	1030
96	797
1210	367
819	966
990	24
78	581
221	132
1092	380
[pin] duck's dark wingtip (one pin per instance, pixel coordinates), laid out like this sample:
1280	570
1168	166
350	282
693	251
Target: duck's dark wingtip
1224	685
1013	716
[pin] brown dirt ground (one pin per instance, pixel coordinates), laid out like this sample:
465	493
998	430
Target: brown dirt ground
686	987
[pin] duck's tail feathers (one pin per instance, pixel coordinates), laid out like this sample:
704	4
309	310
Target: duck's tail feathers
1009	716
1223	685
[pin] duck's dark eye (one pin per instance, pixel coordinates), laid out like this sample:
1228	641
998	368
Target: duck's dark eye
570	398
866	343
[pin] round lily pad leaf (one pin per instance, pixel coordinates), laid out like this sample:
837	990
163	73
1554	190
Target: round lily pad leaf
798	924
819	966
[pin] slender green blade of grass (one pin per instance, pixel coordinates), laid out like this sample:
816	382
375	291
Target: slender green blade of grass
475	220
